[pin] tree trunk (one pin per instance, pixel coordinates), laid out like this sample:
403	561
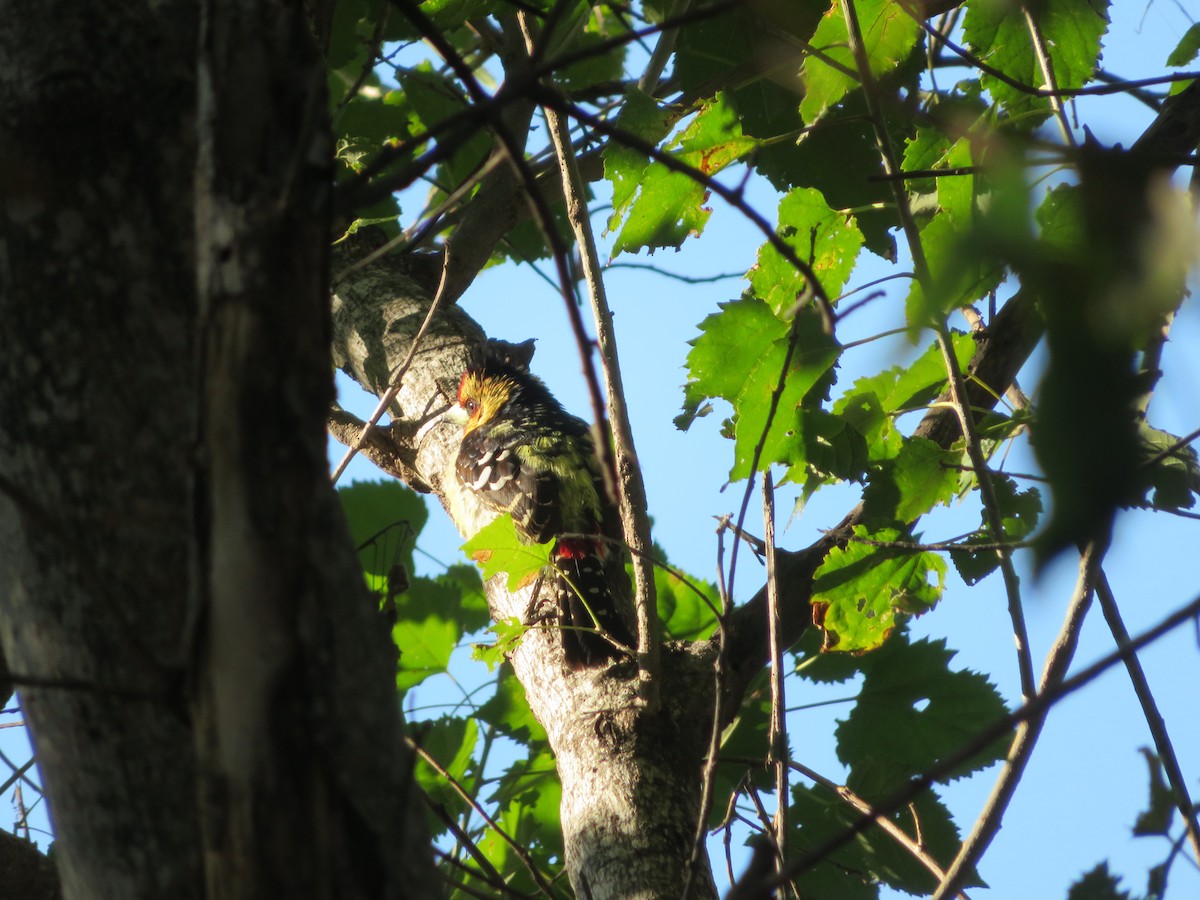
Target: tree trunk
209	686
97	424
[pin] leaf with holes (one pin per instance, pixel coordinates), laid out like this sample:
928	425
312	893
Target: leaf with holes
861	588
927	712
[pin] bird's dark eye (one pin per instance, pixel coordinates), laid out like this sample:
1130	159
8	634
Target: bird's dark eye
471	406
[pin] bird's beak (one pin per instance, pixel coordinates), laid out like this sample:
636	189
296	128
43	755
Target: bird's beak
456	415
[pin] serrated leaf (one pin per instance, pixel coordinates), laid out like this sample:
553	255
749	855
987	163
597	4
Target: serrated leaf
740	356
669	206
828	241
1098	884
1019	514
998	33
913	710
845	872
862	587
508	634
640	115
889	35
833	449
918	478
497	548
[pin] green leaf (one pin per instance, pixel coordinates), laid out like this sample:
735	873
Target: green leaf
862	587
624	166
385	518
1098	884
669	206
828	241
528	796
508	633
998	33
498	548
739	357
850	870
508	710
912	712
833	448
434	98
872	404
846	872
451	742
430	620
961	271
840	159
1187	49
956	193
1019	514
918	478
889	35
1158	815
1169	468
683	615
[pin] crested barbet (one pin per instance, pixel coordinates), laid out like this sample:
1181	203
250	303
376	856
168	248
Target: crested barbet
523	454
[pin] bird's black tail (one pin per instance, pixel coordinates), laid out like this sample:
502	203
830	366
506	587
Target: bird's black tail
588	611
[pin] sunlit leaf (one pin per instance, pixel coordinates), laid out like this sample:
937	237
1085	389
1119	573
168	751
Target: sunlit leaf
739	357
999	33
498	548
861	588
888	34
826	240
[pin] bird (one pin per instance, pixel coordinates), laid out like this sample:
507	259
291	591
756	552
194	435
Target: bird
522	453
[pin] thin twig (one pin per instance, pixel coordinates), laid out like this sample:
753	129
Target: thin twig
1154	719
957	385
631	490
648	83
1058	660
520	851
1047	67
487	872
720	665
898	834
390	394
777	739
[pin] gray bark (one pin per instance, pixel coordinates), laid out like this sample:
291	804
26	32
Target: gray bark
97	381
208	685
